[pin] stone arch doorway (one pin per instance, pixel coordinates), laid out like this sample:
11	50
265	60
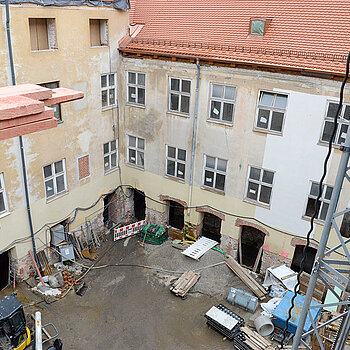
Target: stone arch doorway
211	227
176	216
250	247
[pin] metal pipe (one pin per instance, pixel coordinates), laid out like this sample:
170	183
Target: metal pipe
38	332
324	239
24	172
194	135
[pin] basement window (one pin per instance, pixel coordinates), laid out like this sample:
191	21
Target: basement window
98	32
257	27
42	34
3	197
56	107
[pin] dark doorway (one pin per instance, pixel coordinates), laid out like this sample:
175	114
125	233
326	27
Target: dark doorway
4	270
250	245
298	255
139	204
176	215
107	210
211	227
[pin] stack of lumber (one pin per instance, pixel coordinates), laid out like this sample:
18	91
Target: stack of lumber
254	340
246	278
44	263
186	281
320	289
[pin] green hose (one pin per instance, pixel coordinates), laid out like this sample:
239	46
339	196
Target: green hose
218	250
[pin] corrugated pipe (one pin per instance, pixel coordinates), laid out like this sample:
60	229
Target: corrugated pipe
194	136
13	77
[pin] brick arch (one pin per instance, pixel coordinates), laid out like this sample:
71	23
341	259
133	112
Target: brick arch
240	222
300	241
211	211
168	198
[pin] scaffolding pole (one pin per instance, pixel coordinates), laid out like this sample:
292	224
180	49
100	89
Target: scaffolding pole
323	269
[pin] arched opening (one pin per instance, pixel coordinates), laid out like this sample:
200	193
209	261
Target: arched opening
250	247
176	215
4	270
211	227
139	205
298	255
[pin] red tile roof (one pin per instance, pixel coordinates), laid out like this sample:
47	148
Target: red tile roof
311	35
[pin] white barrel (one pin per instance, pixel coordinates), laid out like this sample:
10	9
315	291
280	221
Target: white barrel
264	326
38	332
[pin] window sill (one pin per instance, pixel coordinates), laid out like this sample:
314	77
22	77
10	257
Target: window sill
46	50
53	198
109	108
131	165
98	46
213	190
220	122
4	214
174	178
325	144
178	114
317	221
258	204
266	131
111	170
135	105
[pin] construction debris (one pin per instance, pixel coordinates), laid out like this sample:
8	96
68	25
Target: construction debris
246	278
197	249
243	299
253	340
186	281
281	275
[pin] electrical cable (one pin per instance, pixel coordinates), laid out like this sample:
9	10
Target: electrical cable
318	202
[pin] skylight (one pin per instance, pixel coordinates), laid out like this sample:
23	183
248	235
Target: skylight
257	27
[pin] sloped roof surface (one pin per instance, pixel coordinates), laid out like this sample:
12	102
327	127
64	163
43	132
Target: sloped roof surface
308	34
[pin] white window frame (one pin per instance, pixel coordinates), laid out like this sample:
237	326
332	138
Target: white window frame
260	183
54	176
341	121
180	94
3	191
109	87
137	86
222	101
323	200
271	109
137	150
215	171
176	160
109	155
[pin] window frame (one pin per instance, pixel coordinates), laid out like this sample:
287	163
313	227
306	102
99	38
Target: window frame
271	109
136	149
53	177
136	86
109	155
107	88
222	101
322	200
80	157
176	160
51	33
251	27
4	194
341	121
180	94
215	171
260	183
103	25
57	82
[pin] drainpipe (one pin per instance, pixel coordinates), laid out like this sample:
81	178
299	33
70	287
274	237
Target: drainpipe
194	135
24	172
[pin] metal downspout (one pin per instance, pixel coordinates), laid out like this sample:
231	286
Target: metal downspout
20	137
194	136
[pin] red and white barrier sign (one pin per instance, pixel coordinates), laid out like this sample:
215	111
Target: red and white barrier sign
129	230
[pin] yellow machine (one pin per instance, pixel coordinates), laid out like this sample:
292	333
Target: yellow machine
14	333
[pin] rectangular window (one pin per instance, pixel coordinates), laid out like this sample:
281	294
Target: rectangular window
98	32
343	123
109	90
271	111
136	151
136	88
56	107
222	103
257	27
83	167
3	197
110	154
179	95
176	162
324	201
55	178
214	172
259	185
42	34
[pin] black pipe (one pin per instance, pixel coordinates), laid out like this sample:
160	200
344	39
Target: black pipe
24	172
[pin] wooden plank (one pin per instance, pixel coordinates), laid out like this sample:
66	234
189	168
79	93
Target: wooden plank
255	335
185	282
257	260
248	280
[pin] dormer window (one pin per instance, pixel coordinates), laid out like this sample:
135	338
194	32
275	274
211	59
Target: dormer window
257	27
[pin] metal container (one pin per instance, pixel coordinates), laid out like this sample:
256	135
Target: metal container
243	299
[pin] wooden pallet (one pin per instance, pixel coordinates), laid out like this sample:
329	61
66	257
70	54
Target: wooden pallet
186	281
246	278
